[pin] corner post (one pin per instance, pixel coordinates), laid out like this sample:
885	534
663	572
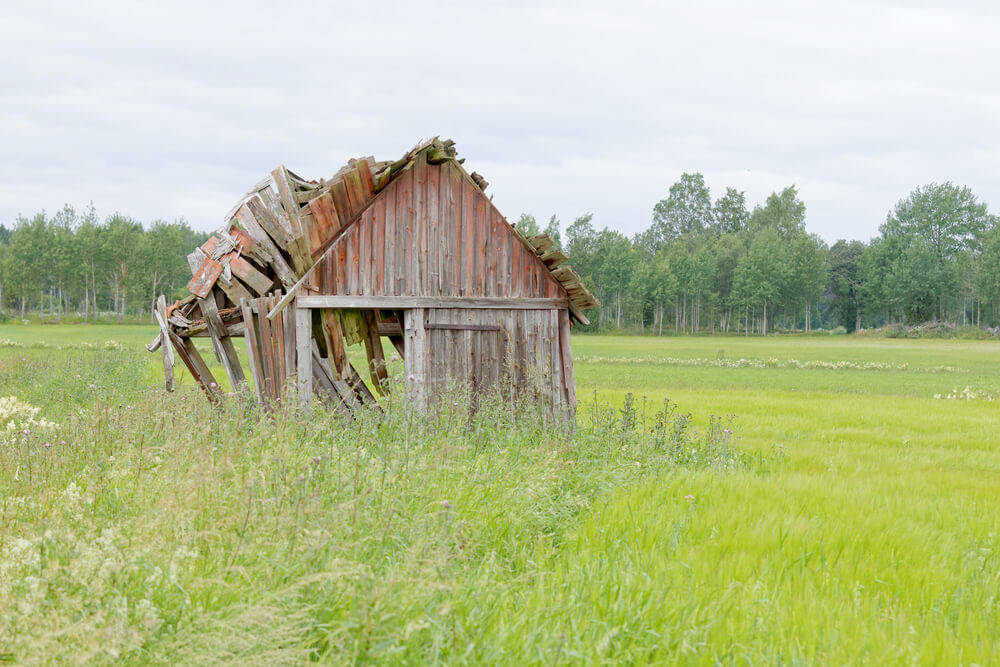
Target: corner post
413	360
303	354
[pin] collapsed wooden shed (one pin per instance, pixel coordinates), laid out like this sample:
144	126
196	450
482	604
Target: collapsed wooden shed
412	251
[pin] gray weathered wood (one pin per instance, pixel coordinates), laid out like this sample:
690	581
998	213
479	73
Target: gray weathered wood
406	302
304	359
413	362
253	353
160	311
220	337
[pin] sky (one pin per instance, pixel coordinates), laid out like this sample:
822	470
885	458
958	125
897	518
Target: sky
173	109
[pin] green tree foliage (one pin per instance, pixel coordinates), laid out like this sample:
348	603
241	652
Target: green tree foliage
729	213
687	209
846	282
527	225
73	262
928	238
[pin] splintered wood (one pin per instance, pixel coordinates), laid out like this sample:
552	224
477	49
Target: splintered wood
411	250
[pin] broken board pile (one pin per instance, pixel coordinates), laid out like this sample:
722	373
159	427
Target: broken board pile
248	270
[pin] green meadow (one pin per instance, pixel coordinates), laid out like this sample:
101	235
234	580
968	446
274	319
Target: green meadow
796	499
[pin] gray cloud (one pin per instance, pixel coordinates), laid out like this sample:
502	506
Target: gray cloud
173	110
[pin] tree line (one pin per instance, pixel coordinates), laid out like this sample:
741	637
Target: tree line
702	265
716	265
72	262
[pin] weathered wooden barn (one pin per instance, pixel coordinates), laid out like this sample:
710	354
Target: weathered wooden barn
412	251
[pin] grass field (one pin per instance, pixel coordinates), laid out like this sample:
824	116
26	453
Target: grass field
851	516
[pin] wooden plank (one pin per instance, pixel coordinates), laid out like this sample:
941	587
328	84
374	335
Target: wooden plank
341	395
390	233
404	302
287	199
363	244
288	350
160	312
341	202
336	349
418	268
432	214
451	217
325	213
554	364
303	354
265	218
367	182
267	358
390	329
358	386
245	244
377	271
253	351
342	268
566	351
468	247
541	242
373	349
355	191
494	286
554	258
256	231
404	238
578	314
189	354
245	271
220	339
413	362
482	241
205	275
456	326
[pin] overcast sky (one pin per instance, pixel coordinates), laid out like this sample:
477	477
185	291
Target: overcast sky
174	109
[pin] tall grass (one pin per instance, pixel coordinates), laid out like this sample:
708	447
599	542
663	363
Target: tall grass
150	527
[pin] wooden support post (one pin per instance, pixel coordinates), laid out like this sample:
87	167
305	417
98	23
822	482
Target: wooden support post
304	359
413	362
199	369
160	311
253	352
336	350
220	339
373	348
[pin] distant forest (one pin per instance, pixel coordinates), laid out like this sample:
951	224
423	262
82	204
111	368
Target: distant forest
703	265
707	265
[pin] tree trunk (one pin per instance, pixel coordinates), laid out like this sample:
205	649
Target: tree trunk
857	318
763	327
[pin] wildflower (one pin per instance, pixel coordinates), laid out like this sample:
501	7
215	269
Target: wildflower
92	385
48	445
689	498
394	357
317	459
412	378
212	385
445	504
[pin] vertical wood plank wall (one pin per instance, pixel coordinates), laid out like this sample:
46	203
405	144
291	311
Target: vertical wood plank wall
526	349
434	233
